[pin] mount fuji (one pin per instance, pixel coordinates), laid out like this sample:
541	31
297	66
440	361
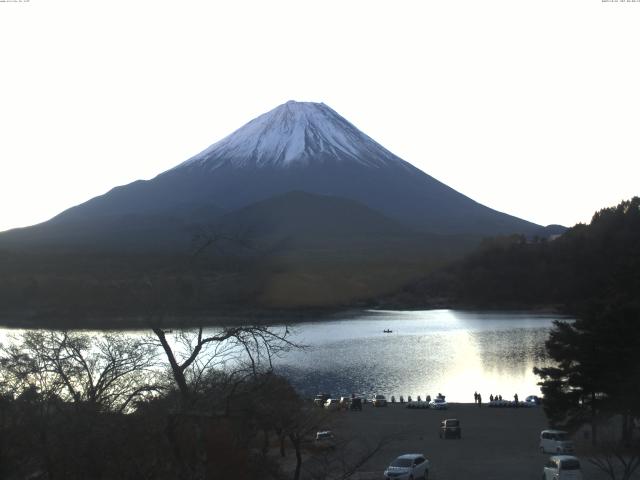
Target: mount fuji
296	147
318	215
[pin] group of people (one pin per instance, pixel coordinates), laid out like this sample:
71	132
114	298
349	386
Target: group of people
409	399
477	398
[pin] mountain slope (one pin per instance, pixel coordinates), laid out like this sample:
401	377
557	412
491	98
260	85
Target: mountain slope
128	231
295	250
304	147
309	217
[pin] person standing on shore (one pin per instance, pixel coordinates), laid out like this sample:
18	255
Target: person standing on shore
475	397
515	399
479	400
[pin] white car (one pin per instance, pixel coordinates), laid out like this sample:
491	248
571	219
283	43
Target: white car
555	441
406	467
438	404
562	467
332	404
320	399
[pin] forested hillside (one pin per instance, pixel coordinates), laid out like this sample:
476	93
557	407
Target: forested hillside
598	262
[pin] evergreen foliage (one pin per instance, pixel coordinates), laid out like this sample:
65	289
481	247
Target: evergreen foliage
591	272
597	370
588	264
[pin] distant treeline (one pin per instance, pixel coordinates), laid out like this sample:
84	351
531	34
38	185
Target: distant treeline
83	288
598	262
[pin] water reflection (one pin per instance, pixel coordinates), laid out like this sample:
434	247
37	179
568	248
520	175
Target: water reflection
446	351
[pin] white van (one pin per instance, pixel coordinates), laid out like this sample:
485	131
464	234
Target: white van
562	467
555	441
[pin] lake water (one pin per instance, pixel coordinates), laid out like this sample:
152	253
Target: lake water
428	352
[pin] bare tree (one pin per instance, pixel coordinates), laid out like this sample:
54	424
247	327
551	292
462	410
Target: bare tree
615	460
300	425
208	368
109	371
65	396
346	459
249	349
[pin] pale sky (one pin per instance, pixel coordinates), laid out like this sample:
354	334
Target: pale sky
529	107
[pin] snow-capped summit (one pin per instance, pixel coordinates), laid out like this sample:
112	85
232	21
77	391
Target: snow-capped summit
291	134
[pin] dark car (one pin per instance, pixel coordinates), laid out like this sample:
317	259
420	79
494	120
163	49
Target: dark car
356	404
533	400
450	428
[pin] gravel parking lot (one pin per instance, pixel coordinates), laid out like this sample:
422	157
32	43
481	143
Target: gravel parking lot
496	444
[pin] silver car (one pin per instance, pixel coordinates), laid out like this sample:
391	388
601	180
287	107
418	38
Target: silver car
412	466
325	439
555	441
562	467
438	404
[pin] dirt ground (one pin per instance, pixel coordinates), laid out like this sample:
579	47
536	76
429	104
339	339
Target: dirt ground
496	444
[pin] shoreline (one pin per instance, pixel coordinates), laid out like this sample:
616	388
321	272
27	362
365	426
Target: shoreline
227	318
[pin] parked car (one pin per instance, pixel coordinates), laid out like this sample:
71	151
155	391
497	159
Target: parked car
418	405
450	428
409	466
438	404
321	398
555	441
325	439
379	401
356	404
532	400
562	467
332	404
345	402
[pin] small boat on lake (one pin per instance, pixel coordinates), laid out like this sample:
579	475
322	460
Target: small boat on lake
387	331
